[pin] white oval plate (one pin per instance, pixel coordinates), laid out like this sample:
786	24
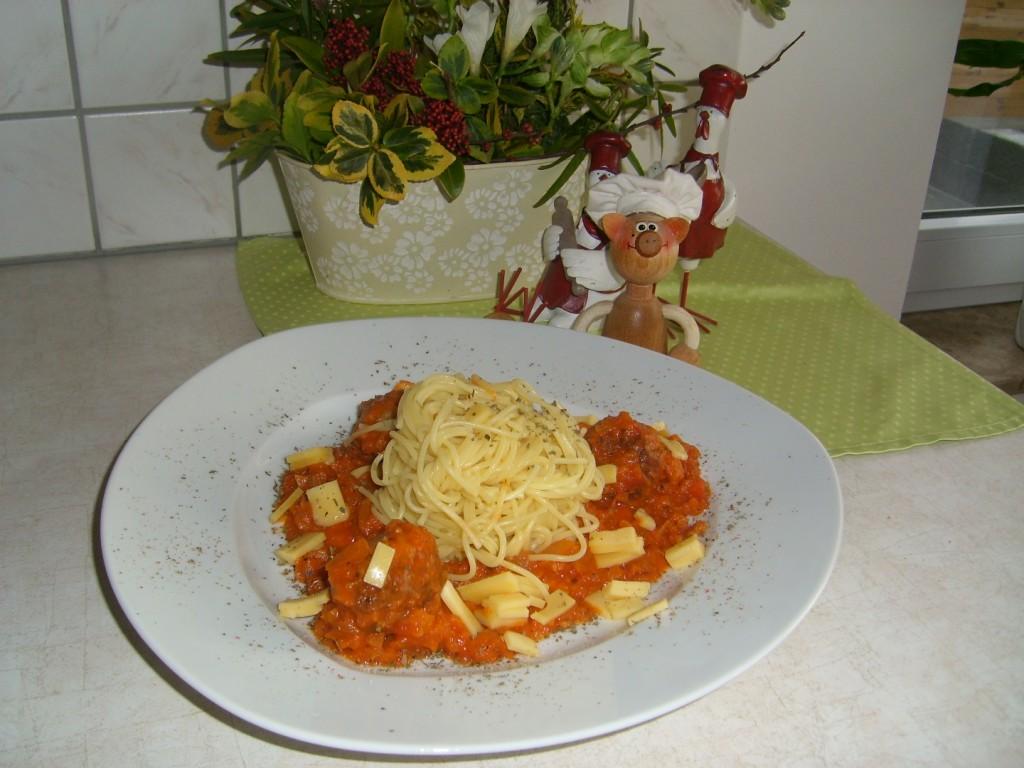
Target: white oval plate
189	553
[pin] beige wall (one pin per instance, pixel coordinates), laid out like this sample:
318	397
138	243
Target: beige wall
831	151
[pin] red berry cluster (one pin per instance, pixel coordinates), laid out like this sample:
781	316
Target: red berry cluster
448	122
398	70
345	40
395	74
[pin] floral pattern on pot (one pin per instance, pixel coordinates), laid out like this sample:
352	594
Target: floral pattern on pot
427	249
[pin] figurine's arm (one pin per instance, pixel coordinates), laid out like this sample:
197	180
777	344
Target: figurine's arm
592	270
550	246
591	315
678	315
726	213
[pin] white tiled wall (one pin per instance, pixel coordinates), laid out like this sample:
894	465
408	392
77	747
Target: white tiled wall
100	146
100	143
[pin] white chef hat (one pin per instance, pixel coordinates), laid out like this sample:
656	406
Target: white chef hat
671	194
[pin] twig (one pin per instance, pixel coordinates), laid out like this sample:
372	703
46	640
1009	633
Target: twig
765	67
681	110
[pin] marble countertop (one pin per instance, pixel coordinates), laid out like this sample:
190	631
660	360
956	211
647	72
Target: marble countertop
912	656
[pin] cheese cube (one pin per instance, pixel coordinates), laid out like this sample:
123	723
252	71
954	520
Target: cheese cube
614	541
303	607
611	559
645	613
559	602
674	447
599	603
450	597
644	520
320	455
685	553
301	545
617	588
380	563
507	610
519	643
282	509
328	504
508	606
501	583
608	608
532	586
609	472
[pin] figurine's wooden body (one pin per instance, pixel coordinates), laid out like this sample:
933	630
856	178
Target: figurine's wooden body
643	247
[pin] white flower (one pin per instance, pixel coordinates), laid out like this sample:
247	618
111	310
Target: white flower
477	27
521	16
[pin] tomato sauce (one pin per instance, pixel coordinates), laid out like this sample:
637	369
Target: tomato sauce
405	619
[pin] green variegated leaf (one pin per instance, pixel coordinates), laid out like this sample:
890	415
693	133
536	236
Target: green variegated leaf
355	124
357	70
319	125
486	91
218	134
249	109
450	182
387	175
321	97
272	85
453	58
434	85
294	131
310	53
466	98
244	57
401	108
519	97
422	156
254	151
370	204
597	89
348	166
293	127
570	168
392	28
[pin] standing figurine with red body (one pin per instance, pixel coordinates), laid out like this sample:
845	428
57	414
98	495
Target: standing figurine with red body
721	87
559	295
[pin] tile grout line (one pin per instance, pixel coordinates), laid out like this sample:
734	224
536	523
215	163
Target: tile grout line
236	190
76	97
114	109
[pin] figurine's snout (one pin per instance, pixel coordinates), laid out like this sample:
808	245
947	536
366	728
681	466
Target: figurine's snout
648	243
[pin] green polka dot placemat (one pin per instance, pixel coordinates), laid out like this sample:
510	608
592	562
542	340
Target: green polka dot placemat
810	343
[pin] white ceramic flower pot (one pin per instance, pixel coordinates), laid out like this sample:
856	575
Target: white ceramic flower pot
426	249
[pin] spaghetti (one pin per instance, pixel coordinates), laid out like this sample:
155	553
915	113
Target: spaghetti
491	470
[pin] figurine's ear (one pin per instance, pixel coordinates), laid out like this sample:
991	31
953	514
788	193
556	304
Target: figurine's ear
613	224
678	227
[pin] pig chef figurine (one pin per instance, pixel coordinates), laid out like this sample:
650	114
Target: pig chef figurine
651	219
